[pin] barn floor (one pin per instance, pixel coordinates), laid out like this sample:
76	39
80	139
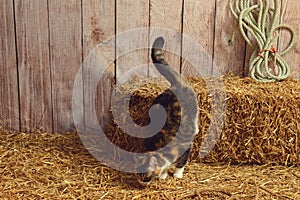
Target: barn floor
56	166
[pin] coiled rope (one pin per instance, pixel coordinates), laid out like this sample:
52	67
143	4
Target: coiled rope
262	22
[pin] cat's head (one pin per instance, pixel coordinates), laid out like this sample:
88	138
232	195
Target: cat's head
153	167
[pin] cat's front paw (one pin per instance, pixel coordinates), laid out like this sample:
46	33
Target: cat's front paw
163	176
179	176
178	173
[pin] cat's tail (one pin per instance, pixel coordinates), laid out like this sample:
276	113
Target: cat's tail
158	59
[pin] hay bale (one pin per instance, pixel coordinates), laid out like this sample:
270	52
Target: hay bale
262	119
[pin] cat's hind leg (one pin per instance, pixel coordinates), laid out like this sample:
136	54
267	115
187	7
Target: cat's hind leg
180	163
178	172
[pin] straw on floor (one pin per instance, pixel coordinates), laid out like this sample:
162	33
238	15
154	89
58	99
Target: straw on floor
57	166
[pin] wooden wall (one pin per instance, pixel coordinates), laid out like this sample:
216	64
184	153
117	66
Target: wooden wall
44	42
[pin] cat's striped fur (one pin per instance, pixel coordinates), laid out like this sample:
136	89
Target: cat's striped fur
181	106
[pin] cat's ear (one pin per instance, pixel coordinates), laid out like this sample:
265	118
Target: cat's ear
153	163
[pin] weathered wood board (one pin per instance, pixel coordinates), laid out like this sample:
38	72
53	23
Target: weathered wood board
131	14
34	65
290	16
66	57
9	100
228	58
99	26
198	25
166	16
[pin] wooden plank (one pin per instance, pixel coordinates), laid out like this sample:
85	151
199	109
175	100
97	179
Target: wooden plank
167	15
291	16
199	26
226	57
34	68
9	106
66	58
131	14
99	25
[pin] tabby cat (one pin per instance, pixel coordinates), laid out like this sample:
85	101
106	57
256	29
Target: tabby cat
171	147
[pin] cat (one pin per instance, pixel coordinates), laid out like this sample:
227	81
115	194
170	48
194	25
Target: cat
181	124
